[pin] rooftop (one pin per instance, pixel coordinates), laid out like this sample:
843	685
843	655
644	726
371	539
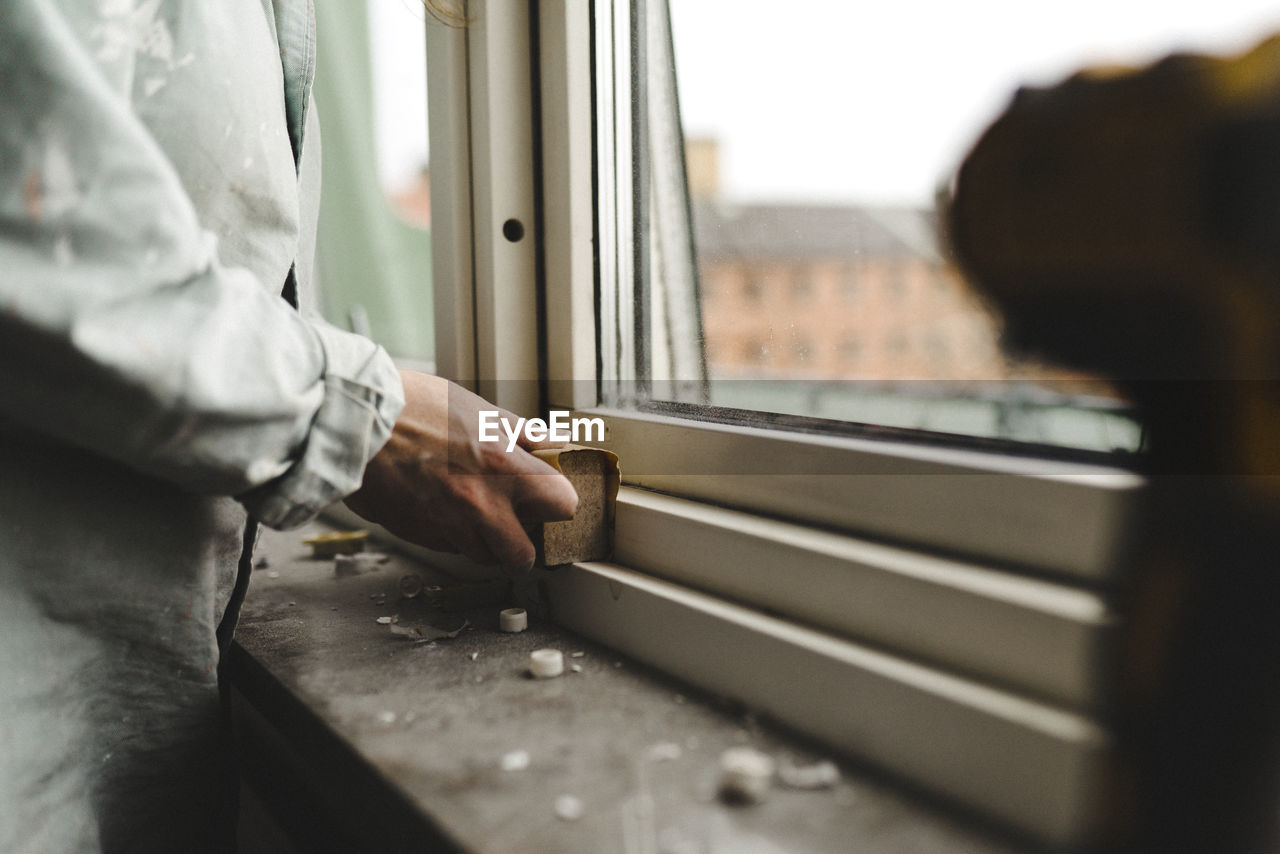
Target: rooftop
813	231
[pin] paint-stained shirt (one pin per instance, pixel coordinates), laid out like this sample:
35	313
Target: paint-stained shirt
158	184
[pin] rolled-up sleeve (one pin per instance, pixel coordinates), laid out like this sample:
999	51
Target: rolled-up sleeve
362	398
120	329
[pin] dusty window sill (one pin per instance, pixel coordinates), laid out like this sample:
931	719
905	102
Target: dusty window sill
357	739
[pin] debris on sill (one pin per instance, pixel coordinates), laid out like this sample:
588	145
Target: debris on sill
273	574
426	633
546	663
334	543
358	564
569	808
575	668
513	620
410	586
746	775
577	654
474	656
664	752
820	775
387	621
516	760
262	562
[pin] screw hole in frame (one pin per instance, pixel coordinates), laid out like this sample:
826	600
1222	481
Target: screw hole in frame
513	230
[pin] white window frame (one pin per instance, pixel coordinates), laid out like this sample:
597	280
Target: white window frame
735	544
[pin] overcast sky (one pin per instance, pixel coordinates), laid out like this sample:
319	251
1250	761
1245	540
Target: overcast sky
840	100
877	101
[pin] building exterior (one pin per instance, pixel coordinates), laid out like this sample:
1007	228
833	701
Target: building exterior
827	292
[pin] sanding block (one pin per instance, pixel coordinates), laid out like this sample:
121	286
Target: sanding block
588	535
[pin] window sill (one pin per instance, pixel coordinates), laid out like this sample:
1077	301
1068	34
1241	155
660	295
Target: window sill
361	740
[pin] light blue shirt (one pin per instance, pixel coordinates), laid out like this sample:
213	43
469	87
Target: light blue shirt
158	183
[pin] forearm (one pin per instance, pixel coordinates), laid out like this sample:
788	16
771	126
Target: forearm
121	331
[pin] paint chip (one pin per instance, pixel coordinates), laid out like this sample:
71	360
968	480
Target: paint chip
569	808
427	633
665	751
410	586
746	775
820	775
516	760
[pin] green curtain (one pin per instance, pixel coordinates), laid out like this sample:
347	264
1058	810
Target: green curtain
369	261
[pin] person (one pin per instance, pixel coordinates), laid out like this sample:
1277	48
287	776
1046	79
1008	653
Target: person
160	395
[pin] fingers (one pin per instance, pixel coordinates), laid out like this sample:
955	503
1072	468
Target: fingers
508	542
545	498
517	501
538	492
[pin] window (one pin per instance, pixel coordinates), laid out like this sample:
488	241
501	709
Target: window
801	348
893	282
832	152
850	282
850	346
869	194
802	288
917	576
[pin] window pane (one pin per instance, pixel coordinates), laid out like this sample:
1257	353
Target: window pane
374	250
815	137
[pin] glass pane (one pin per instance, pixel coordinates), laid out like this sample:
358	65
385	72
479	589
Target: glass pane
374	250
816	135
399	64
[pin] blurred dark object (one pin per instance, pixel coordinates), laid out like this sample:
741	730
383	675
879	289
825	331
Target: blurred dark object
1127	222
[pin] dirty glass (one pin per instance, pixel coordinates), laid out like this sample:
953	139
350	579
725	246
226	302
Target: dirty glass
813	138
